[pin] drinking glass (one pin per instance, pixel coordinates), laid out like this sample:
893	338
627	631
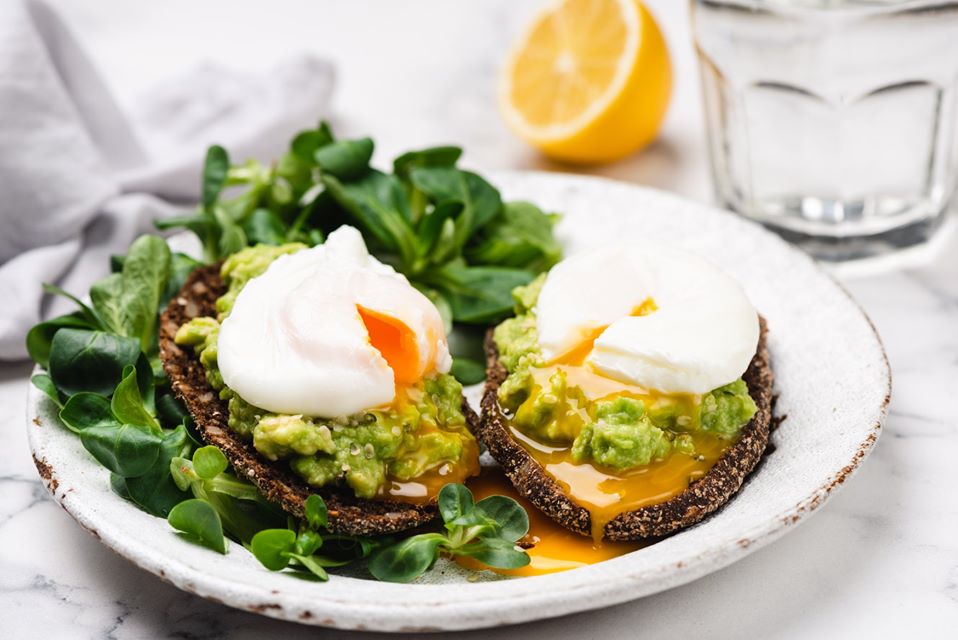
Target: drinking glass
832	122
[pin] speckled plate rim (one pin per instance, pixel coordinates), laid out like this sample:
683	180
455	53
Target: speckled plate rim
82	487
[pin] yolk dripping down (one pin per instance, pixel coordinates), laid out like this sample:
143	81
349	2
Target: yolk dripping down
425	488
395	342
551	547
605	493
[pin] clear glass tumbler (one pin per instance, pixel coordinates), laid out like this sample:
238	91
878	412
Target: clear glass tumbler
832	122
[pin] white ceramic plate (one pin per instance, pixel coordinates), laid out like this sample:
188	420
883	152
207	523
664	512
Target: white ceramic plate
832	379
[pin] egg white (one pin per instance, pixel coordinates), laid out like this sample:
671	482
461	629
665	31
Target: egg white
295	342
701	335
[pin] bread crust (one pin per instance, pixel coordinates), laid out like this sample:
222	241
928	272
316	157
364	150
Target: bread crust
347	514
700	499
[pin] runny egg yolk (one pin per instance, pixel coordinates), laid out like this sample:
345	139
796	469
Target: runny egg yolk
579	353
396	343
605	493
424	489
551	547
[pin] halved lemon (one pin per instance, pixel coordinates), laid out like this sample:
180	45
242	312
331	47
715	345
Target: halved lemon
589	81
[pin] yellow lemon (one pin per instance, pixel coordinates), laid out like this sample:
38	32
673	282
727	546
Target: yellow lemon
589	81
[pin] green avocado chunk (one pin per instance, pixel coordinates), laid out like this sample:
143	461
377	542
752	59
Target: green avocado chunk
552	414
724	411
622	437
246	264
202	334
373	447
517	338
360	457
518	341
280	436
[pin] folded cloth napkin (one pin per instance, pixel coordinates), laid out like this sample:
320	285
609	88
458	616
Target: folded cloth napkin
79	179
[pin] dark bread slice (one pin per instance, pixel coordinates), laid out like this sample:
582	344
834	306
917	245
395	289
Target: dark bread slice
347	513
701	498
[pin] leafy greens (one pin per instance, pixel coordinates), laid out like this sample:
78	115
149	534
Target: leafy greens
445	228
487	531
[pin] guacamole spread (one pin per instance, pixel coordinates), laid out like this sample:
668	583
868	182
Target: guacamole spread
618	431
423	433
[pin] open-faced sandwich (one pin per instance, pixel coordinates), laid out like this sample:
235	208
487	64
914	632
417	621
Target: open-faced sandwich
322	370
631	394
628	397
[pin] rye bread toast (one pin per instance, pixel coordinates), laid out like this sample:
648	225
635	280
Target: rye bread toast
701	498
347	513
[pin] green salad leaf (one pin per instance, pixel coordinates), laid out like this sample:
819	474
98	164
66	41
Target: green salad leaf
345	159
215	170
478	294
316	513
127	301
273	547
512	520
86	409
197	519
480	200
446	229
298	544
45	383
407	560
91	318
155	491
128	404
84	360
103	374
239	506
40	336
486	531
522	239
209	462
124	449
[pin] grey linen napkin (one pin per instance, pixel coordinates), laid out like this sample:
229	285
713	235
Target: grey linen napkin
77	181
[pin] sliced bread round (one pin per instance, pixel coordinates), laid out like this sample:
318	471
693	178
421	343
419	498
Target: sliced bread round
701	498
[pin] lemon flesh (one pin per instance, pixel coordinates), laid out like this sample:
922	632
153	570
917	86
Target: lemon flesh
589	82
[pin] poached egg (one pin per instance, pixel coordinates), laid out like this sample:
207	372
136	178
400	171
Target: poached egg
328	332
659	318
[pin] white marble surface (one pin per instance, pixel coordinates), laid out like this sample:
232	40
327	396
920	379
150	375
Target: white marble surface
881	560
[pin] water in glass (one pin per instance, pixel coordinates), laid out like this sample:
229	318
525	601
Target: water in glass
833	122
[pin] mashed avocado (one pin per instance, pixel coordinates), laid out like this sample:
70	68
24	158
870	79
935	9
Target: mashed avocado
246	264
423	430
724	411
619	432
517	338
621	437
